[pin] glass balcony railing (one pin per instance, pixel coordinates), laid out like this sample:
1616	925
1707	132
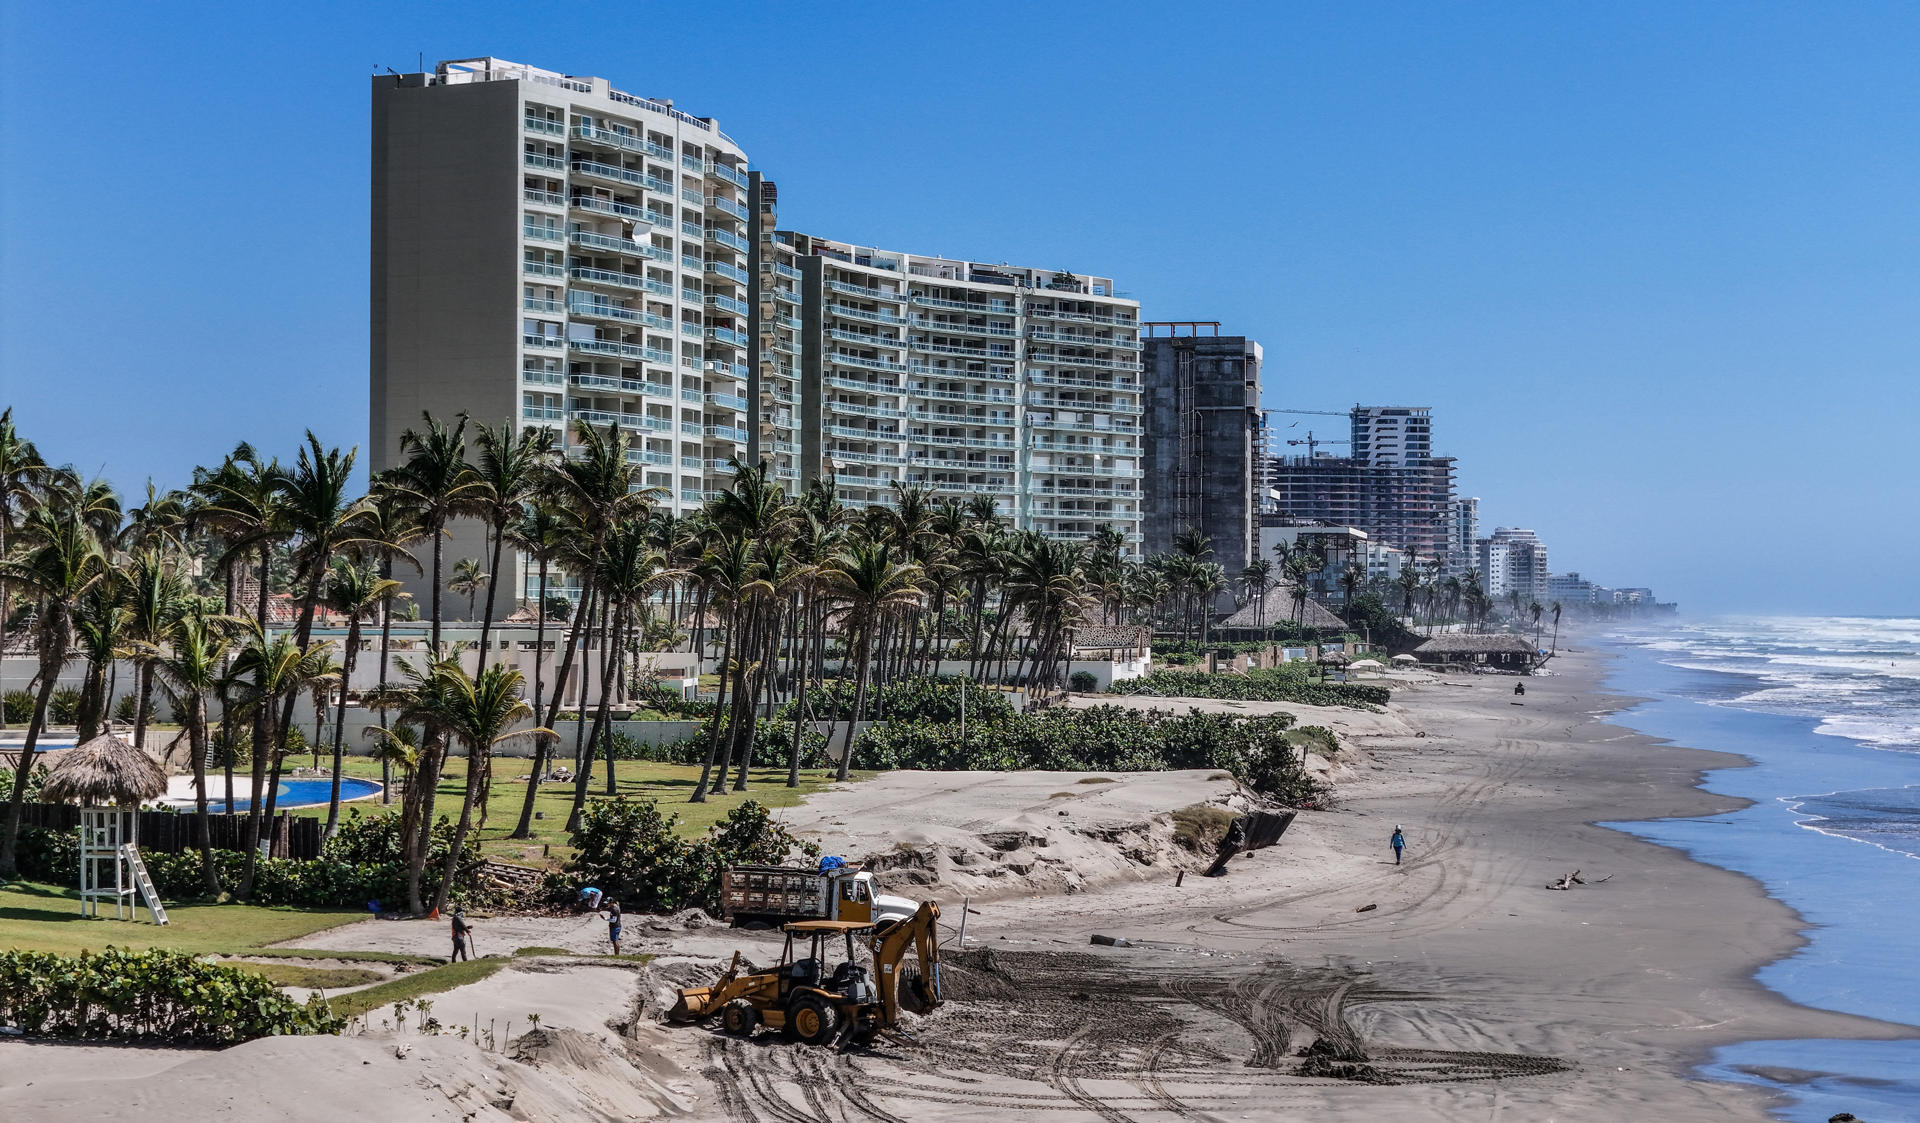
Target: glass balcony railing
728	272
545	163
728	401
540	304
542	125
607	277
543	342
544	198
543	378
608	347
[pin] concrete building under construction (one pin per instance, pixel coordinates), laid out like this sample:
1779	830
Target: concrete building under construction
1201	439
1392	486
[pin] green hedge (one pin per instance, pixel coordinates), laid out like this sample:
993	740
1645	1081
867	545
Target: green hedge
150	995
1102	739
629	851
361	863
918	698
1267	684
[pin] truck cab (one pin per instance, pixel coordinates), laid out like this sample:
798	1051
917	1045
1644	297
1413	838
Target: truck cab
854	899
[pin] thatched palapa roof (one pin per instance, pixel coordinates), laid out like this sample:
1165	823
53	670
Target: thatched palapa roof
1463	644
1279	610
104	772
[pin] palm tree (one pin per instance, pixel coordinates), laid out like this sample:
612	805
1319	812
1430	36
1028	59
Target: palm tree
62	561
356	593
1257	578
23	476
190	672
156	595
873	586
1556	627
540	534
280	670
439	484
479	713
510	471
1534	609
390	530
1351	580
468	580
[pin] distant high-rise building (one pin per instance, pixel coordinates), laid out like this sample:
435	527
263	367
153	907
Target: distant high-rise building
1513	559
1463	531
1201	437
1391	485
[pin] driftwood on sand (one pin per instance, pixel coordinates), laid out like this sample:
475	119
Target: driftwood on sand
1573	879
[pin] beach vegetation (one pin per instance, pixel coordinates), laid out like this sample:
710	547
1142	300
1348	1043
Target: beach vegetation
149	994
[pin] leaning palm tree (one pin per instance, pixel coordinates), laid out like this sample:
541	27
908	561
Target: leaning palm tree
541	535
23	478
477	712
62	560
468	580
356	593
511	470
189	671
156	595
1534	610
1556	627
872	585
1257	578
100	637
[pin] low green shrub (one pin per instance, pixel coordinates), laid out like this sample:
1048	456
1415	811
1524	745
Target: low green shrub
1102	739
149	995
1083	682
1291	683
918	698
19	706
64	707
629	851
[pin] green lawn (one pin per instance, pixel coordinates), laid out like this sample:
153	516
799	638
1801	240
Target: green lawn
38	917
670	784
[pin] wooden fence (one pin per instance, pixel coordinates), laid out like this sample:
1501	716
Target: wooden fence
169	832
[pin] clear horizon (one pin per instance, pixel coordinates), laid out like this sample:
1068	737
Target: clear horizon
1653	267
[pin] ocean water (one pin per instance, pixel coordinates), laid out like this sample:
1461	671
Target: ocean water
1828	709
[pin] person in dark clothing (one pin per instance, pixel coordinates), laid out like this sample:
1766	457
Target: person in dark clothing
1399	843
460	930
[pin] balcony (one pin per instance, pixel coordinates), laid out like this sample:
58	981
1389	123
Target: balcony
855	409
608	311
839	358
588	239
964	442
539	413
1004	355
607	277
979	309
545	163
847	456
543	268
1081	426
1118	491
1076	406
1080	471
543	342
543	378
727	272
727	433
724	369
940	327
626	142
787	271
1082	317
729	174
728	206
864	385
920	391
644	456
854	432
726	238
728	401
1084	361
1111	385
544	198
873	317
870	294
861	339
728	305
846	480
539	304
727	337
607	347
1090	341
787	295
722	467
619	210
542	125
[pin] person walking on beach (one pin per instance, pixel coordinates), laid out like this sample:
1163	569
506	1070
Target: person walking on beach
613	925
460	930
1399	843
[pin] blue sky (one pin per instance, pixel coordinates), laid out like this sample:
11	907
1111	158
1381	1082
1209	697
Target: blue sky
1654	266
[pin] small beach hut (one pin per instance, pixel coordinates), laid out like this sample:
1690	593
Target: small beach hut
109	779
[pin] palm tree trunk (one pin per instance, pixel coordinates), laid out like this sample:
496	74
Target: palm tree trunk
143	708
574	635
49	674
524	828
493	588
347	660
713	737
262	730
476	767
386	638
197	745
859	702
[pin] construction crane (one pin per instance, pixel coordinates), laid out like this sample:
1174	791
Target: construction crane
1312	443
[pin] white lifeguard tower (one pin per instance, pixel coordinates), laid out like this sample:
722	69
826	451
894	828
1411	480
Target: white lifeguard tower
110	778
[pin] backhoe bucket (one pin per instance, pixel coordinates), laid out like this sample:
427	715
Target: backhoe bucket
695	1003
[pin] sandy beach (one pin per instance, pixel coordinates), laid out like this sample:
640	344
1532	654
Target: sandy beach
1479	992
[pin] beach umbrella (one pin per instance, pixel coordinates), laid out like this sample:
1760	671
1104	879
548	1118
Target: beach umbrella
1404	659
105	772
1368	664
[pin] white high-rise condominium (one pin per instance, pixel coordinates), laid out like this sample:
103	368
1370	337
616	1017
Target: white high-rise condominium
548	249
1513	560
975	380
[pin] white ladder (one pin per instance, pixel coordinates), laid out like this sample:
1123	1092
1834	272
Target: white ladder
145	881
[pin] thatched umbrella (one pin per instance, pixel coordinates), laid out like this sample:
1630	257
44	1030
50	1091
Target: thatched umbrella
105	772
1331	659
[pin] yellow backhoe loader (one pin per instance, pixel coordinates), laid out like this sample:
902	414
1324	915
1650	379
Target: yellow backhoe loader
809	1003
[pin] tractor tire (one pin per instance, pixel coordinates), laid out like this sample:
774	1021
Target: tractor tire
912	991
812	1020
739	1018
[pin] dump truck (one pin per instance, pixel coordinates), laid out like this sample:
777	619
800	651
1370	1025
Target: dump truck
809	1003
777	895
